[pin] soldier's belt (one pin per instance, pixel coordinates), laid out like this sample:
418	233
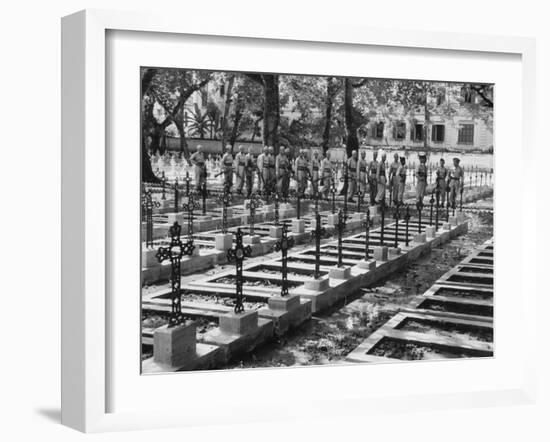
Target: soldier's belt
454	178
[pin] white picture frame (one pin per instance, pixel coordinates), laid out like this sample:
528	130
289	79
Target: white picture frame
85	259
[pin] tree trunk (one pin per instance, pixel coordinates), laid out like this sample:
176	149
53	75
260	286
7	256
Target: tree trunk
352	142
235	129
328	114
147	173
184	148
426	120
271	111
226	109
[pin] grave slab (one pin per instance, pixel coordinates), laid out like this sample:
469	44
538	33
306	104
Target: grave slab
367	265
298	226
380	253
284	303
223	241
340	273
318	284
174	345
239	323
275	232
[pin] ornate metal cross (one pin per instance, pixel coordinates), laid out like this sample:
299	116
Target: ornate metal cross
255	202
333	190
419	206
318	232
276	209
204	194
283	245
367	224
147	205
340	228
176	196
163	183
437	209
174	253
382	221
190	207
225	198
187	183
237	255
359	200
396	217
345	180
432	200
407	219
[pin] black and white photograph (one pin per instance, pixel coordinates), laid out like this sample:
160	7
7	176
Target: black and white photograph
298	220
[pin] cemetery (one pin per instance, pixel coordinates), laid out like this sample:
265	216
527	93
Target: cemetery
224	275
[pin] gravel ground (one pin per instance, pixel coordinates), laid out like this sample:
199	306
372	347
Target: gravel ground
327	339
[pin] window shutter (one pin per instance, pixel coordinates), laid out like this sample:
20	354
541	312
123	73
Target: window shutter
442	132
434	133
394	131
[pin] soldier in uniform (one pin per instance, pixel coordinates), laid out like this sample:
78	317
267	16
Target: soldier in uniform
401	178
199	163
249	167
282	170
421	178
240	162
352	164
263	170
227	164
455	181
441	181
393	179
373	179
314	173
362	173
301	172
381	180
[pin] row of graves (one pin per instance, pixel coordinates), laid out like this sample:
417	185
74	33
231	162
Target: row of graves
452	319
214	319
211	219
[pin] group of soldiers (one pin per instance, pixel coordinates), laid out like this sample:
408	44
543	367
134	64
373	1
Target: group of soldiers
375	177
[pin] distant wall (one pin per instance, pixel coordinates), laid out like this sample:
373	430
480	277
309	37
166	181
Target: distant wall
210	146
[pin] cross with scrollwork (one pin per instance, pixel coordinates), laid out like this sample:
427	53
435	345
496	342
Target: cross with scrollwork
283	245
237	255
174	253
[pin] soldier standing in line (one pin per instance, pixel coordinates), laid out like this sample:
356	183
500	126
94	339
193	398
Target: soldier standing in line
455	181
263	170
314	173
352	164
249	167
301	172
199	163
421	178
362	173
401	178
393	179
381	180
441	181
326	167
227	164
240	160
373	179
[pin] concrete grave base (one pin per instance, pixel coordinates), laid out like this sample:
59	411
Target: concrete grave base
285	303
453	221
251	239
446	226
380	253
394	251
420	238
239	323
318	284
275	232
298	226
224	241
174	345
430	232
367	265
358	216
332	219
340	273
269	208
